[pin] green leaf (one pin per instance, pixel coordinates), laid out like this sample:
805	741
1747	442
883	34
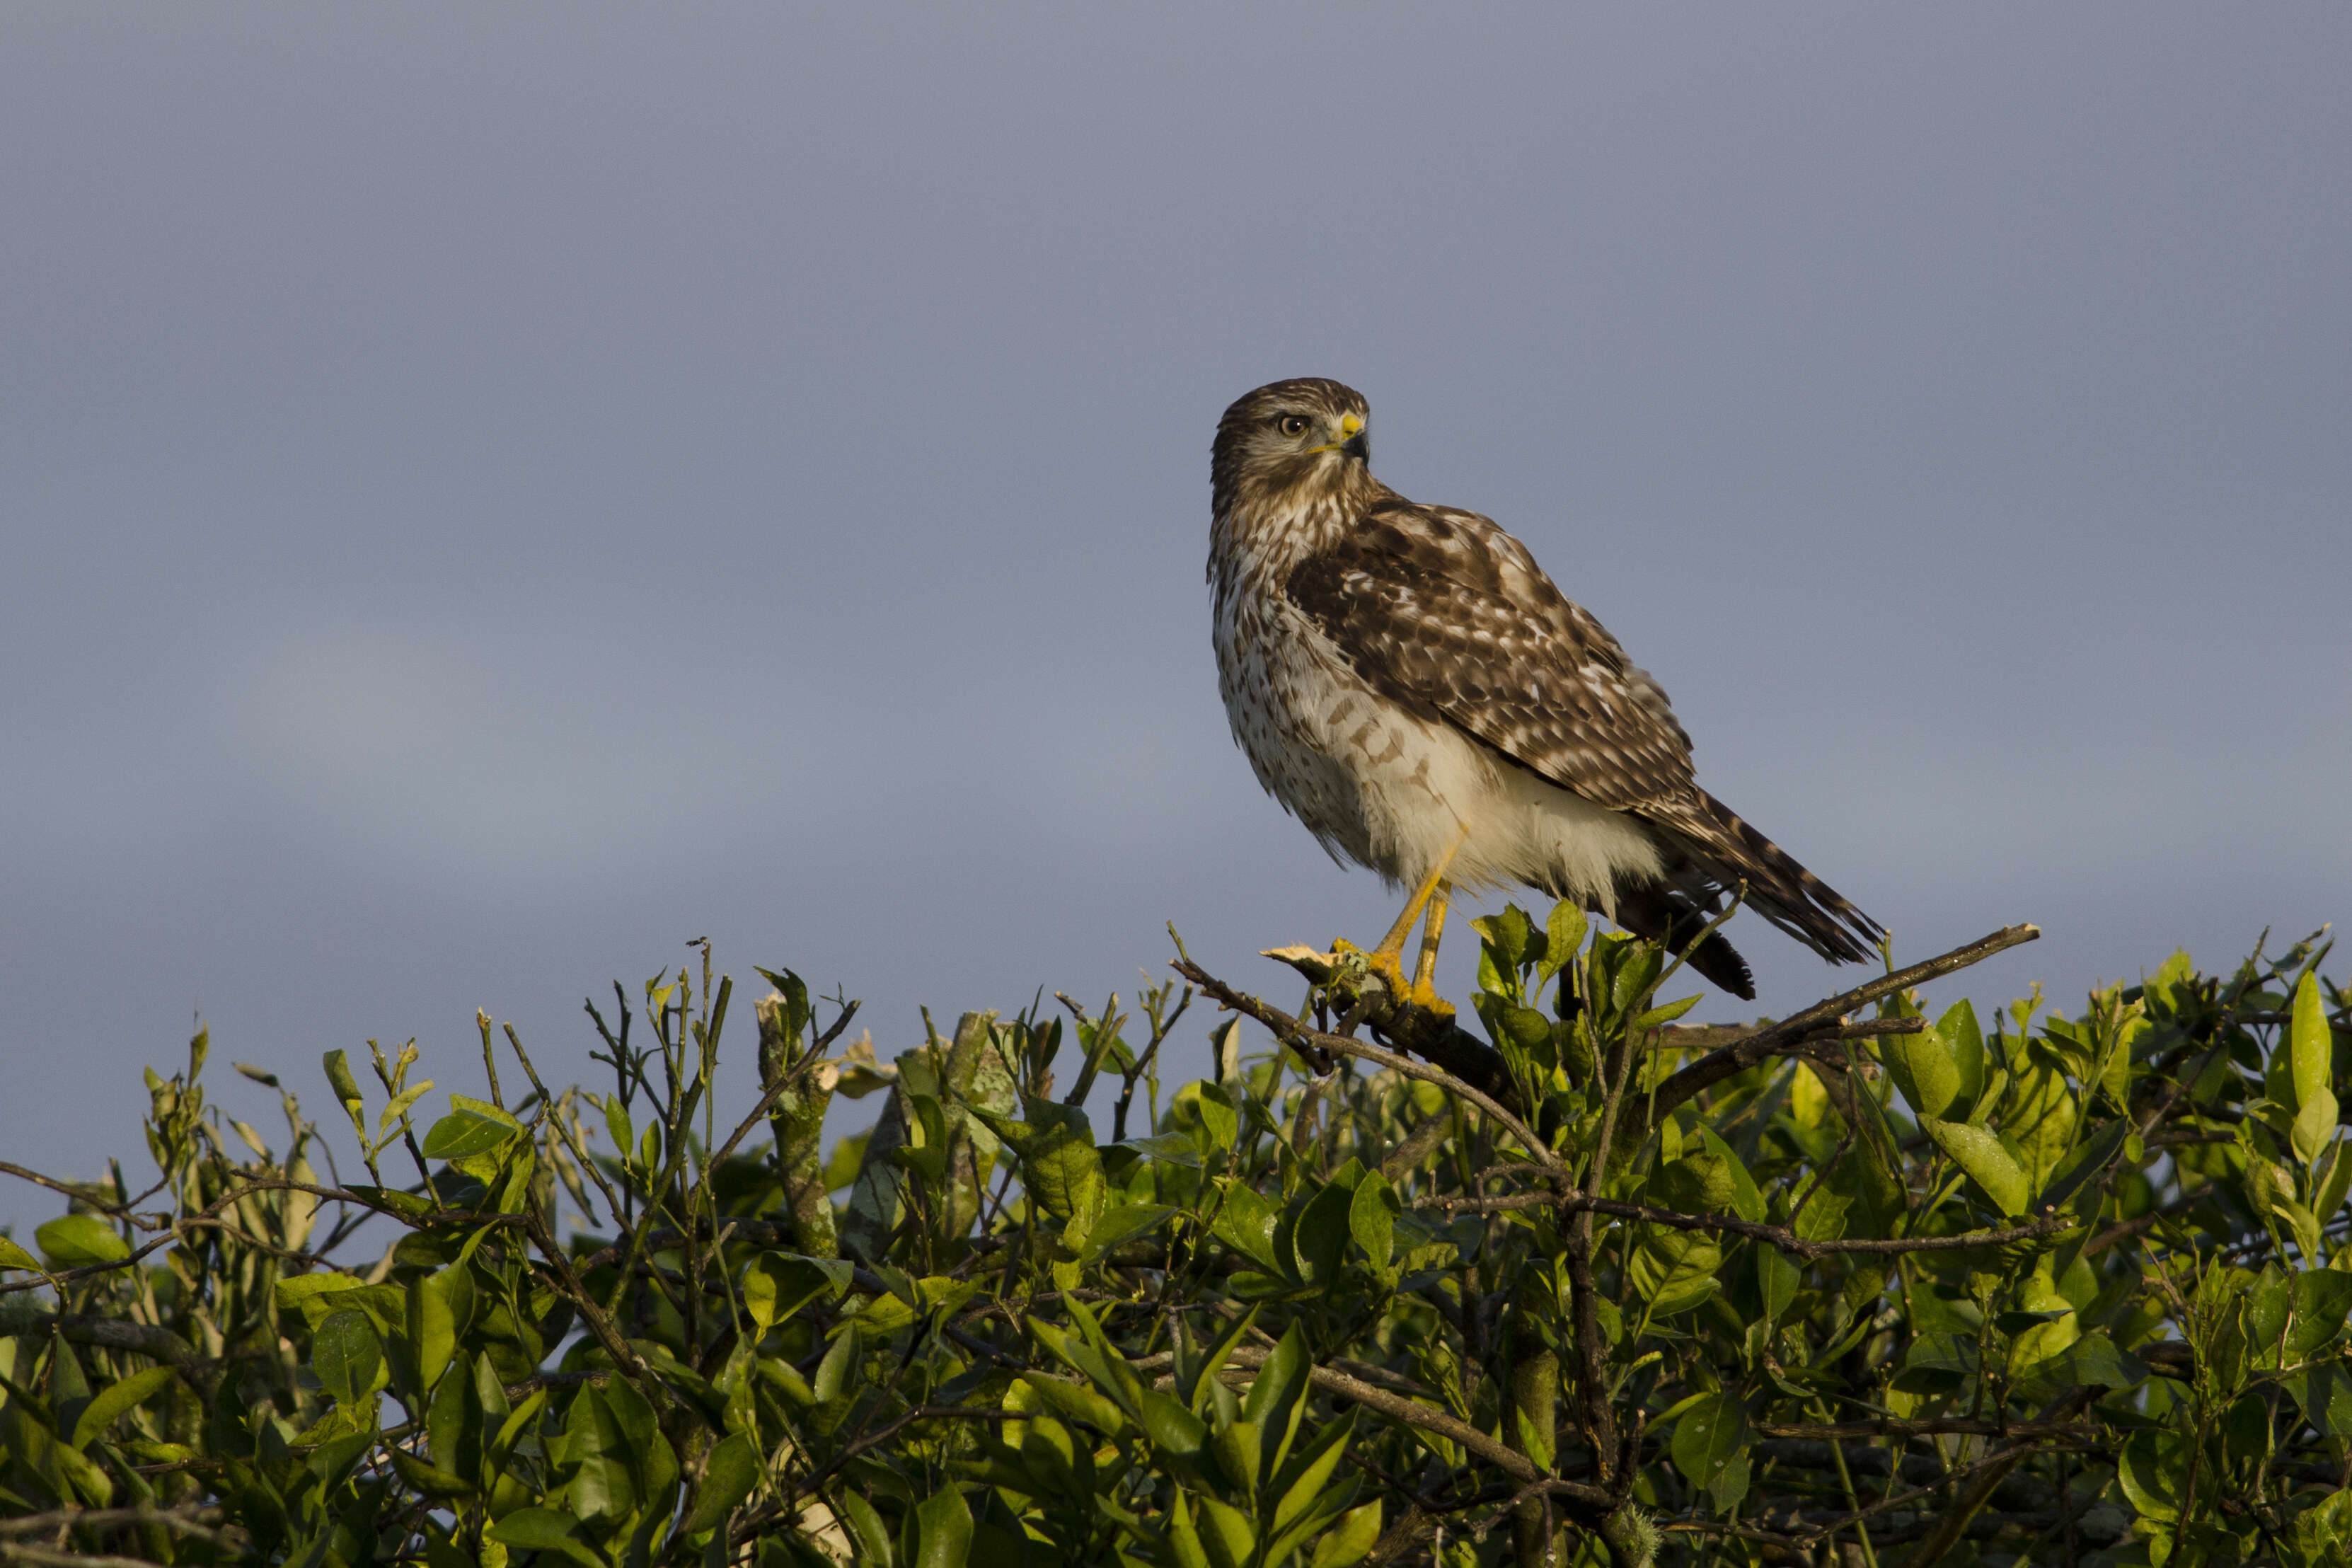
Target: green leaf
1239	1447
348	1356
2312	1046
1228	1537
454	1422
1523	1026
943	1529
778	1284
466	1131
1174	1148
873	1544
1076	1404
1218	1118
1507	935
1056	1146
1122	1223
1965	1041
79	1241
15	1257
652	1463
1371	1217
1673	1270
837	1375
1710	1447
1183	1541
2325	1391
1976	1152
544	1530
1246	1222
2151	1471
1746	1201
402	1102
1777	1281
2090	1362
2078	1170
432	1327
1657	1017
119	1398
618	1127
431	1479
1699	1182
1275	1399
1320	1239
604	1484
1348	1541
1300	1495
2321	1298
728	1475
1202	1375
339	1078
2315	1125
2334	1178
1924	1071
1563	935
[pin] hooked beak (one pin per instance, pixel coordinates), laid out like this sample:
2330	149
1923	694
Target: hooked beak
1352	442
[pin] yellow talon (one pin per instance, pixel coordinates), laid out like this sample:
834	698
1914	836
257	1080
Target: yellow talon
1389	967
1387	960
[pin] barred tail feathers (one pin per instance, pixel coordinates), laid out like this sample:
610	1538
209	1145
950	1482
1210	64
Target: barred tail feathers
1672	919
1778	887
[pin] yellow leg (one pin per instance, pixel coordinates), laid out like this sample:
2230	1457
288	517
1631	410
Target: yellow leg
1424	973
1387	960
1392	944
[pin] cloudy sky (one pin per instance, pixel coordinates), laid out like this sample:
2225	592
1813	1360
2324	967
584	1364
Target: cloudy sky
490	494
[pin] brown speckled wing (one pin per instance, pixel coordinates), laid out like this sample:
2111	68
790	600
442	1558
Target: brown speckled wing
1446	614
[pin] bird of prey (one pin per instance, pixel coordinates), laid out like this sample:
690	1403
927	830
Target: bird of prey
1410	685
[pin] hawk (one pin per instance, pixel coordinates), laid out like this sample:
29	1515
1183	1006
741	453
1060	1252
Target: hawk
1409	684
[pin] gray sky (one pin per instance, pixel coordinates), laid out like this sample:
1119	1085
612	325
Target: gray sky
491	493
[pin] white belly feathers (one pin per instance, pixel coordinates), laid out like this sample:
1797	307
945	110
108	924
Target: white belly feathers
1392	792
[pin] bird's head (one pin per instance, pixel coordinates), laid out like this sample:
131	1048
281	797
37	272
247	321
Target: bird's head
1291	442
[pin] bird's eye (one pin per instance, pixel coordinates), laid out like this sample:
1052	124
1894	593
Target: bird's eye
1292	425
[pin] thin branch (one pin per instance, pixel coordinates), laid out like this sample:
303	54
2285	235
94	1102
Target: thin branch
1290	1031
1822	1020
1777	1236
80	1192
1433	1035
1398	1408
1953	1426
189	1519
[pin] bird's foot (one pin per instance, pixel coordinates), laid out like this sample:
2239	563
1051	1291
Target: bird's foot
1389	967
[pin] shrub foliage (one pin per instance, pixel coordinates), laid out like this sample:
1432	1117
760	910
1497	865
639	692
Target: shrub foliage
1860	1287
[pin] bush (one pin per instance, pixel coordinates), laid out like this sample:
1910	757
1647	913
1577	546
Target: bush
1601	1289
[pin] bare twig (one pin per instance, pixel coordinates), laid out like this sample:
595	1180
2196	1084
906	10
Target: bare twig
1777	1236
1290	1030
1822	1020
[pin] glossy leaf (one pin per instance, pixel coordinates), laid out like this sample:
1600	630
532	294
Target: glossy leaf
1710	1447
2311	1042
348	1356
1925	1072
544	1530
776	1285
2151	1473
943	1530
729	1474
80	1240
1348	1541
470	1129
1980	1154
1371	1217
118	1400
